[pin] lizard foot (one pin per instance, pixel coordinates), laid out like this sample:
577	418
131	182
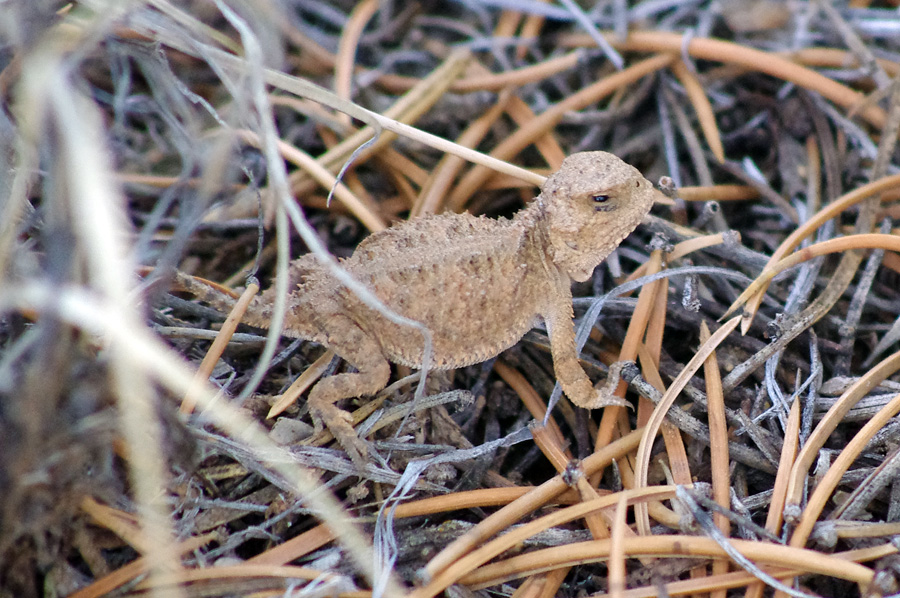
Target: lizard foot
605	395
340	424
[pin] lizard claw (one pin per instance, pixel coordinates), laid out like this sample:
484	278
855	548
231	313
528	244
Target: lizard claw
340	424
356	448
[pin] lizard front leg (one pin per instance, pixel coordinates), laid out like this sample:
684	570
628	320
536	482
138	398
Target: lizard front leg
571	376
363	352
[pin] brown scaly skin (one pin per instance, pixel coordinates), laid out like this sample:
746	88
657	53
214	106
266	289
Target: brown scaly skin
478	284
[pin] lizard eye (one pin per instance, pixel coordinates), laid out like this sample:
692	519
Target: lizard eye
599	198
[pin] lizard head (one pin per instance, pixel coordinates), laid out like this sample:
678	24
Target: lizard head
591	204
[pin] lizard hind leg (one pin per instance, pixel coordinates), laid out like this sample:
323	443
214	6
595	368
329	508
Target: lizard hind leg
362	351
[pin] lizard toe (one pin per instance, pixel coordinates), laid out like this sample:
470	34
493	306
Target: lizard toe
340	424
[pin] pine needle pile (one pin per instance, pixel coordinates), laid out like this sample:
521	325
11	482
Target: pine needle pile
150	446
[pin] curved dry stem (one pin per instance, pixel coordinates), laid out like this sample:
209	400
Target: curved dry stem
523	506
841	464
642	464
754	299
832	418
755	60
762	553
464	565
848	243
346	55
326	179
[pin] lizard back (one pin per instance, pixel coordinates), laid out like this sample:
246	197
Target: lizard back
461	276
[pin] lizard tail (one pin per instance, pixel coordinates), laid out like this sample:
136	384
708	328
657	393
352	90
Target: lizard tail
220	298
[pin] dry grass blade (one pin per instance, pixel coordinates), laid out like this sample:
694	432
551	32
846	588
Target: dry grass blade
629	351
119	522
740	579
718	445
530	398
218	346
406	110
295	548
774	519
94	204
171	371
564	466
651	354
301	384
516	78
304	88
681	250
848	243
617	549
718	193
434	190
137	568
241	571
319	536
702	107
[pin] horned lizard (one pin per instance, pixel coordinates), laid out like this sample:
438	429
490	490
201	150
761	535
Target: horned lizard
478	284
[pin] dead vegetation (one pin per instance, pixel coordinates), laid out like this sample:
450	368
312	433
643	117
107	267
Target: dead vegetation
760	307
